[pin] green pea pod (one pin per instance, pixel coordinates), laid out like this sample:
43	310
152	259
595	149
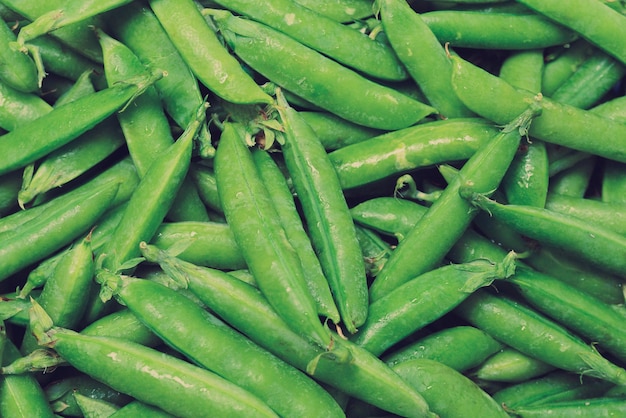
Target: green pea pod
460	347
256	227
510	366
604	248
18	69
145	125
466	29
149	375
327	216
606	214
63	295
323	81
423	55
151	200
410	148
65	123
204	178
558	124
217	347
525	330
46	234
136	26
562	63
374	249
553	387
201	49
20	108
448	217
582	16
340	42
21	395
613	184
94	407
210	244
59	59
245	308
9	188
448	392
276	185
424	299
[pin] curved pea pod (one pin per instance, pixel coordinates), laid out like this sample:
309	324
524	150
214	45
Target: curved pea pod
583	16
140	409
461	348
335	132
204	179
21	395
136	26
124	324
448	392
65	123
425	299
527	180
554	387
604	248
63	295
327	216
423	55
578	311
511	366
46	234
340	42
610	215
18	69
214	345
562	63
61	60
466	29
280	193
410	148
256	226
244	307
323	81
527	331
149	375
211	244
201	49
151	200
448	217
558	123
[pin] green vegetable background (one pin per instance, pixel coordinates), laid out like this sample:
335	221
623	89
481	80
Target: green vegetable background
312	208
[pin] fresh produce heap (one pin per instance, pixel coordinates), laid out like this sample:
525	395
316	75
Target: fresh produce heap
307	208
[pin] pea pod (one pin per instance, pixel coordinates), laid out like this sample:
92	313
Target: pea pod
209	342
277	187
435	233
137	408
149	375
596	407
65	123
525	330
246	309
603	247
151	200
510	366
425	299
43	236
201	49
558	124
410	148
342	10
335	132
325	82
123	324
257	230
20	108
327	216
423	55
340	42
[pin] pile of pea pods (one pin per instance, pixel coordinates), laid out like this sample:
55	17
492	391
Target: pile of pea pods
312	208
